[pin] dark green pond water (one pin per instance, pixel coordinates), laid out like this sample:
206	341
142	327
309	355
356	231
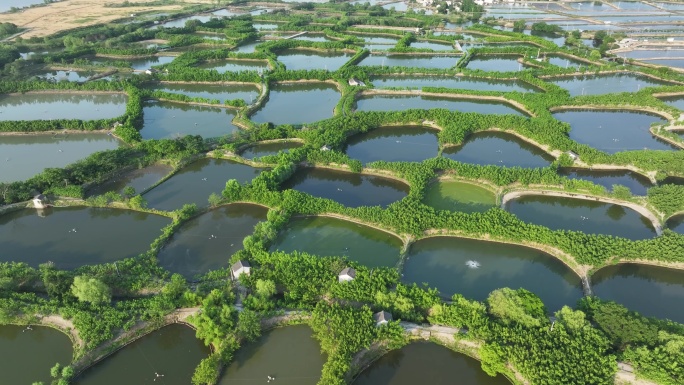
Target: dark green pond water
394	144
206	176
499	149
165	120
335	237
379	39
76	236
248	47
432	45
24	156
652	291
458	196
442	262
291	103
421	61
564	62
312	60
206	242
144	64
349	189
500	63
605	84
221	92
637	183
265	149
172	352
140	179
40	106
590	217
613	131
428	363
235	65
405	102
676	224
40	348
459	82
71	76
290	354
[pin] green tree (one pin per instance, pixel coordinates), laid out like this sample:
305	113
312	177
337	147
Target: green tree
519	306
249	325
89	289
519	25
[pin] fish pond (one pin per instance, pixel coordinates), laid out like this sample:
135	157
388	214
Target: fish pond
265	149
588	216
289	354
206	242
39	346
167	356
221	92
290	103
613	131
475	268
637	183
167	120
422	61
248	47
429	363
498	148
206	176
24	156
312	60
349	189
500	63
144	64
605	84
52	106
76	236
458	196
235	65
653	291
394	144
326	236
432	45
459	82
394	102
676	224
140	179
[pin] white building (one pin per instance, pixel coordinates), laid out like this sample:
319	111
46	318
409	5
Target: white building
347	274
382	318
240	267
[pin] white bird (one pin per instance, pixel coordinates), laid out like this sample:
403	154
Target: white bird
204	179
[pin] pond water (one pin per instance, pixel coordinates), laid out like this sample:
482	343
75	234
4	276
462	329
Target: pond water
140	179
312	60
264	26
290	354
172	351
146	63
460	82
206	242
49	106
679	63
166	120
265	149
651	53
613	131
247	47
675	101
349	189
9	4
24	156
426	362
41	347
458	196
313	37
637	183
500	63
70	76
421	61
180	23
653	291
290	103
498	149
605	84
394	144
432	45
399	6
405	102
676	224
588	216
76	236
379	39
206	176
565	62
210	91
325	236
235	65
442	263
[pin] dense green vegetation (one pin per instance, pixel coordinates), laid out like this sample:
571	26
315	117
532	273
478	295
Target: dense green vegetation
512	328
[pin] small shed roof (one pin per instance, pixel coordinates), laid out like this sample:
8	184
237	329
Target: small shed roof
239	265
350	271
40	196
382	316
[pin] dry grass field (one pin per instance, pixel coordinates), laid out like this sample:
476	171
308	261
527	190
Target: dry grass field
68	14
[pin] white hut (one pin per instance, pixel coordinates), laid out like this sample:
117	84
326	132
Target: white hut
347	274
573	155
40	201
240	267
382	318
